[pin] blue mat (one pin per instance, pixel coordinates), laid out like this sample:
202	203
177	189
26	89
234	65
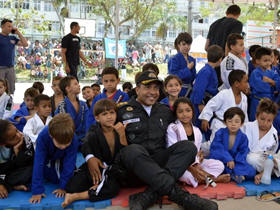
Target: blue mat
253	189
20	200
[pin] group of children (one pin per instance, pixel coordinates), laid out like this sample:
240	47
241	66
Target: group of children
46	133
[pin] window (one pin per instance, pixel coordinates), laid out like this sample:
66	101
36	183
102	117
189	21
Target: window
48	7
145	33
153	33
100	28
124	30
172	34
74	8
37	4
5	4
22	4
85	8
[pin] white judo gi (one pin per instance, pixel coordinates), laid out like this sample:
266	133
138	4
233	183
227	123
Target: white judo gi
175	133
268	143
229	63
34	126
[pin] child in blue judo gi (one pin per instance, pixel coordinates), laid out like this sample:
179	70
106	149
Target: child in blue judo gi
263	81
182	64
230	146
172	86
206	82
55	156
26	111
110	80
71	104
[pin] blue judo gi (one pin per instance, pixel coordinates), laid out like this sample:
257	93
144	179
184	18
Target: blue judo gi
219	150
178	66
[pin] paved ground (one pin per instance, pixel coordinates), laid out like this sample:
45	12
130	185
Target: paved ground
247	203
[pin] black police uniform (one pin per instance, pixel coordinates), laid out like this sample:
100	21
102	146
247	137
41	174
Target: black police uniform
146	155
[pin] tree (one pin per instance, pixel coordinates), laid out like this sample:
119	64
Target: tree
142	14
22	11
256	12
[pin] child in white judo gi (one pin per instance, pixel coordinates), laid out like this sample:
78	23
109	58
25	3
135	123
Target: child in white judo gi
183	129
35	125
263	138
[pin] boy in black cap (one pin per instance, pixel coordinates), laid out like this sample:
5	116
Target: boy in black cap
146	156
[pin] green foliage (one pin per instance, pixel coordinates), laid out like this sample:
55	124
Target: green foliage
143	14
255	12
20	17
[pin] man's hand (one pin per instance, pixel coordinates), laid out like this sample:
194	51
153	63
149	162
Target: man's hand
201	156
3	192
59	193
204	125
93	166
230	164
37	198
198	173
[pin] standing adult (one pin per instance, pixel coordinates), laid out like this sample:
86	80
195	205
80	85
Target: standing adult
147	157
7	52
221	28
71	51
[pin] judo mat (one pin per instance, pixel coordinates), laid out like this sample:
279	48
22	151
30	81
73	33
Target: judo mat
20	200
221	192
252	189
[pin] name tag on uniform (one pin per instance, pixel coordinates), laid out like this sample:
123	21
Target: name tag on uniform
134	120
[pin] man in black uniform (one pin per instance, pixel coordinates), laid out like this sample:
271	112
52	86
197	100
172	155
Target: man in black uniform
71	51
147	156
221	28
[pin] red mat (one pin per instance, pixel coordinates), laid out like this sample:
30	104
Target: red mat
220	192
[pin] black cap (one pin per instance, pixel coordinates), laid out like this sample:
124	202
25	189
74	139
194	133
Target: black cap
147	77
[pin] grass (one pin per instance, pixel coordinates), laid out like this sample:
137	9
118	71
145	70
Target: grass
24	75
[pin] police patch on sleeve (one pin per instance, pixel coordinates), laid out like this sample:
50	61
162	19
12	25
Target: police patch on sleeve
229	64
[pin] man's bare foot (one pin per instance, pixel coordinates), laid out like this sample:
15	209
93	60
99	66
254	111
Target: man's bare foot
224	178
258	178
21	188
69	198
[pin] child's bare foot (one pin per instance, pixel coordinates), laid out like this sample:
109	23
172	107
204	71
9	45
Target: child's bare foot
224	178
21	188
258	178
69	198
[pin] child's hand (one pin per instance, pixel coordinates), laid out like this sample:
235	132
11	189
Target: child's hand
270	81
18	146
190	65
93	166
37	198
201	107
120	128
3	192
59	193
230	164
204	125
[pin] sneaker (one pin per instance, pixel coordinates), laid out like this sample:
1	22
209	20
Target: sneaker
143	200
190	201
